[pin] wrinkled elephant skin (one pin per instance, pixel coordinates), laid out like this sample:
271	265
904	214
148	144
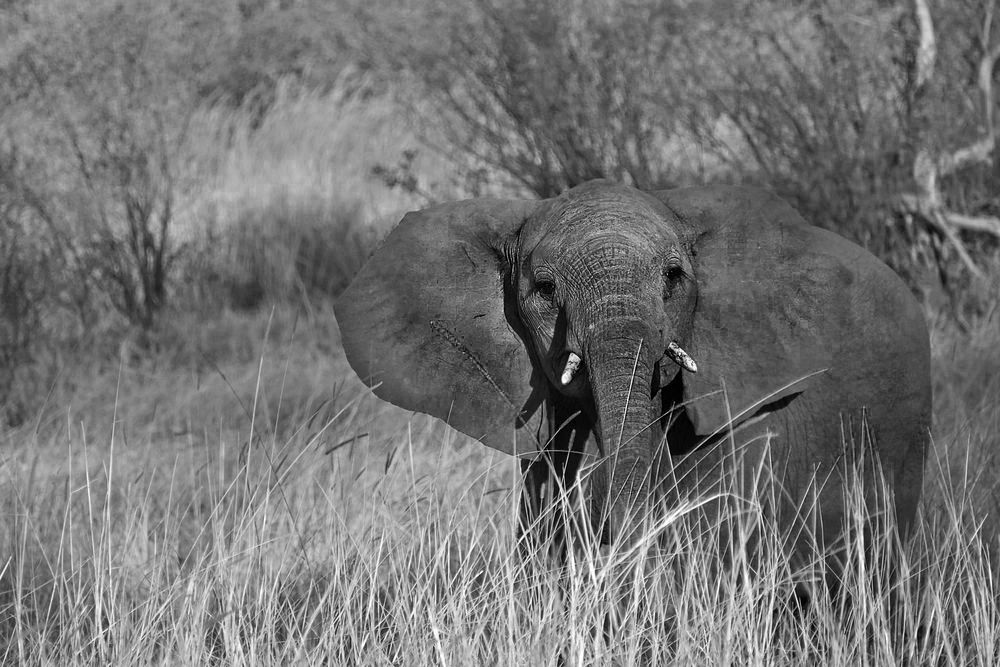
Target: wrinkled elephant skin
567	328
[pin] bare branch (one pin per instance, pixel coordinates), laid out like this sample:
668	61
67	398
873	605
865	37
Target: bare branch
927	49
980	151
939	221
946	223
918	205
986	224
986	66
925	173
928	169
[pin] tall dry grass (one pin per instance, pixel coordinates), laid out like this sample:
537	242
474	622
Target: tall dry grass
311	146
287	207
294	519
225	491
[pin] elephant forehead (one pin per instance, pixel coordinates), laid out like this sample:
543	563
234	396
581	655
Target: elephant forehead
597	231
604	212
619	252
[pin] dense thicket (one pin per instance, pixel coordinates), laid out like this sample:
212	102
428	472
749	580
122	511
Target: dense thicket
876	120
830	103
97	157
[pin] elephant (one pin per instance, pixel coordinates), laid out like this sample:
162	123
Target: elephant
644	329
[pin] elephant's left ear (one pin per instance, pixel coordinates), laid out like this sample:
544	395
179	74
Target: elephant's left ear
427	322
773	300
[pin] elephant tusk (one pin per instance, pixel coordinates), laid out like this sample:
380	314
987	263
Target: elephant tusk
572	366
681	358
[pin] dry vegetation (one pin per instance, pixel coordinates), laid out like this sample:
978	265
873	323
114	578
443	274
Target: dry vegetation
198	478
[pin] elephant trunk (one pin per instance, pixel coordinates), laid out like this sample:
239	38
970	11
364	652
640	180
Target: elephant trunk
620	361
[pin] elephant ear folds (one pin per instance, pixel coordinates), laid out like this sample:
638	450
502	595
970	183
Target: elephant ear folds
426	324
766	320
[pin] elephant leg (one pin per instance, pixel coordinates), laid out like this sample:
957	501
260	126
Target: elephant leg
546	508
534	475
544	513
796	472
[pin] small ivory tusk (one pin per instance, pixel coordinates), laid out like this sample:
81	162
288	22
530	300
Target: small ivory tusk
681	358
572	366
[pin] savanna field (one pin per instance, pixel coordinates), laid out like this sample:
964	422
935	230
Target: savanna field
200	477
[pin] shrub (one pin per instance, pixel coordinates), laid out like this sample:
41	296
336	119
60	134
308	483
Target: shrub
822	102
288	251
270	46
108	110
22	284
549	94
827	110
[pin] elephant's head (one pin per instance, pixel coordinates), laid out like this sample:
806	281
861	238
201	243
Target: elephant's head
487	313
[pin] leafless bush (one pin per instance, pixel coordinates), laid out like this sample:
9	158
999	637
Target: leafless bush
288	251
107	111
22	284
803	102
270	45
825	102
856	113
548	94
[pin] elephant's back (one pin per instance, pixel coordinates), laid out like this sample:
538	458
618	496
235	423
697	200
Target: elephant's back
880	375
895	384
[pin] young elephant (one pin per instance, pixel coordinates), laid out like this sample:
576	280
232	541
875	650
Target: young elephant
549	329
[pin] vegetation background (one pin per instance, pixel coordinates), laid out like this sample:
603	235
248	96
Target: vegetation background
189	471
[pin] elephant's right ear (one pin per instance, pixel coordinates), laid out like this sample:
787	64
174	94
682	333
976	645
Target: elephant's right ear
429	324
776	297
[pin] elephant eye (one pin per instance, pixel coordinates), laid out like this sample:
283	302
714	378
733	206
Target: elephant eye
546	288
673	273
